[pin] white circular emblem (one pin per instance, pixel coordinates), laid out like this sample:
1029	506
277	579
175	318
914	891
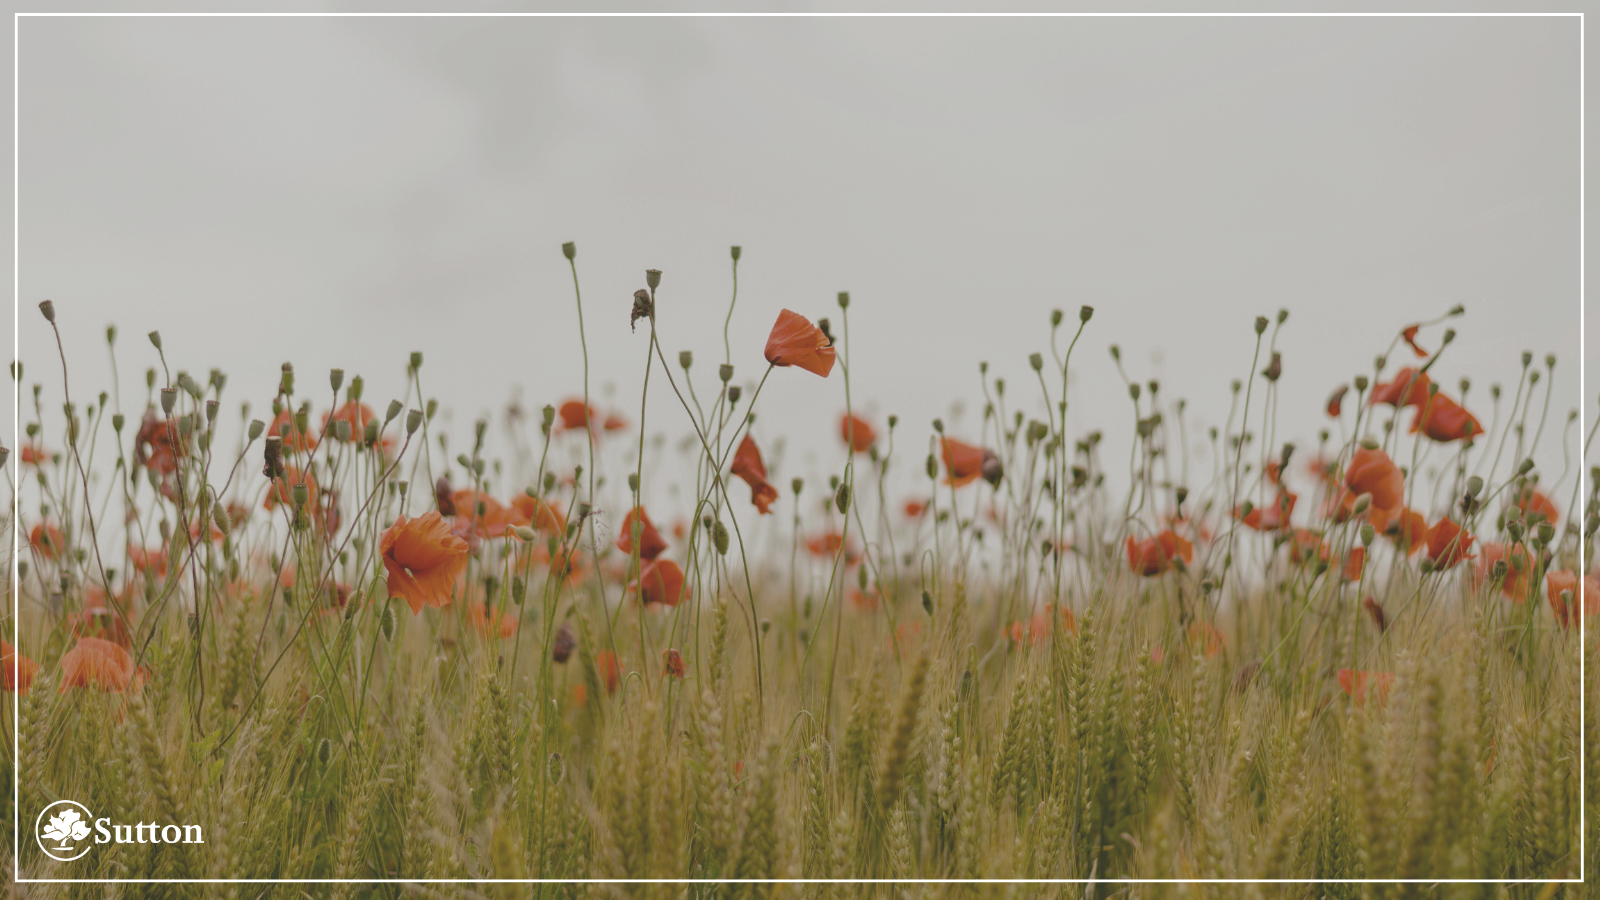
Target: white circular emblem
62	830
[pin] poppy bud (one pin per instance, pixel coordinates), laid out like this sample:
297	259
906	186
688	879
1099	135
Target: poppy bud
686	359
735	251
841	498
1550	360
341	430
117	421
725	372
111	334
1235	385
370	435
155	339
1449	335
570	251
1261	324
1474	486
827	332
1362	502
336	378
1133	391
1283	316
1367	534
719	537
219	514
169	399
1035	361
991	469
563	644
938	425
1246	508
733	394
387	624
413	421
1116	353
1369	443
933	467
1055	318
1525	467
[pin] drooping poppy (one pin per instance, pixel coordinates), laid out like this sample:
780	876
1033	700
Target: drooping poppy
1448	544
672	664
856	433
1444	420
962	461
1154	555
158	445
423	560
542	514
283	425
18	672
1533	503
478	618
1410	336
651	543
794	341
46	540
282	489
1408	388
1356	684
747	464
605	663
99	664
1518	578
660	581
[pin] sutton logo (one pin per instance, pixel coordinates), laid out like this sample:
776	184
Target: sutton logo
63	831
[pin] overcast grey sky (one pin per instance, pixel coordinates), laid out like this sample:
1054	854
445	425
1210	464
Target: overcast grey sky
339	192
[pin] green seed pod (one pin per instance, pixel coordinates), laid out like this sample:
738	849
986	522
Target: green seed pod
844	299
219	514
413	421
1474	486
933	467
169	400
841	499
796	484
1367	534
735	251
286	382
117	421
1525	467
719	537
336	378
387	624
569	250
1035	361
686	358
861	577
301	494
927	603
519	590
725	372
341	430
155	340
1546	532
370	433
357	387
111	334
1261	324
633	482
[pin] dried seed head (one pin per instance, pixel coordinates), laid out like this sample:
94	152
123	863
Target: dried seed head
1274	369
734	393
272	453
991	469
643	307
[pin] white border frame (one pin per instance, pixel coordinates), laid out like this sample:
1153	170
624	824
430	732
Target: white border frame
16	306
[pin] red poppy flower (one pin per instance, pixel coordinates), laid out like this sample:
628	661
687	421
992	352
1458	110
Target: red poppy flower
915	508
541	514
423	560
1448	544
46	540
1356	683
614	422
1371	472
100	664
651	543
1336	401
478	618
283	425
605	663
1518	580
1409	531
856	433
1444	420
35	455
574	415
1566	580
672	664
1531	502
489	518
282	490
157	446
662	581
1410	337
1038	627
151	562
827	545
747	464
1272	517
1154	555
1355	561
866	601
1409	388
794	341
962	462
18	670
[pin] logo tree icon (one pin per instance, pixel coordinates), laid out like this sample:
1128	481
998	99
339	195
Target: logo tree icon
69	826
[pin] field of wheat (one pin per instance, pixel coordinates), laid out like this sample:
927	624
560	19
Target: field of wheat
353	646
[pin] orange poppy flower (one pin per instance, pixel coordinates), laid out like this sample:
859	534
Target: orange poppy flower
157	446
151	562
478	618
1448	544
293	438
794	341
1355	562
543	515
34	455
915	508
580	695
423	560
1154	555
651	543
574	415
826	545
358	414
1410	337
1038	627
488	517
46	540
282	489
100	664
1205	634
18	670
1371	472
747	464
605	663
672	664
866	601
1269	518
1303	544
1518	580
1567	580
614	422
1356	683
663	583
1409	388
856	433
98	620
962	461
1531	502
1409	531
1444	420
